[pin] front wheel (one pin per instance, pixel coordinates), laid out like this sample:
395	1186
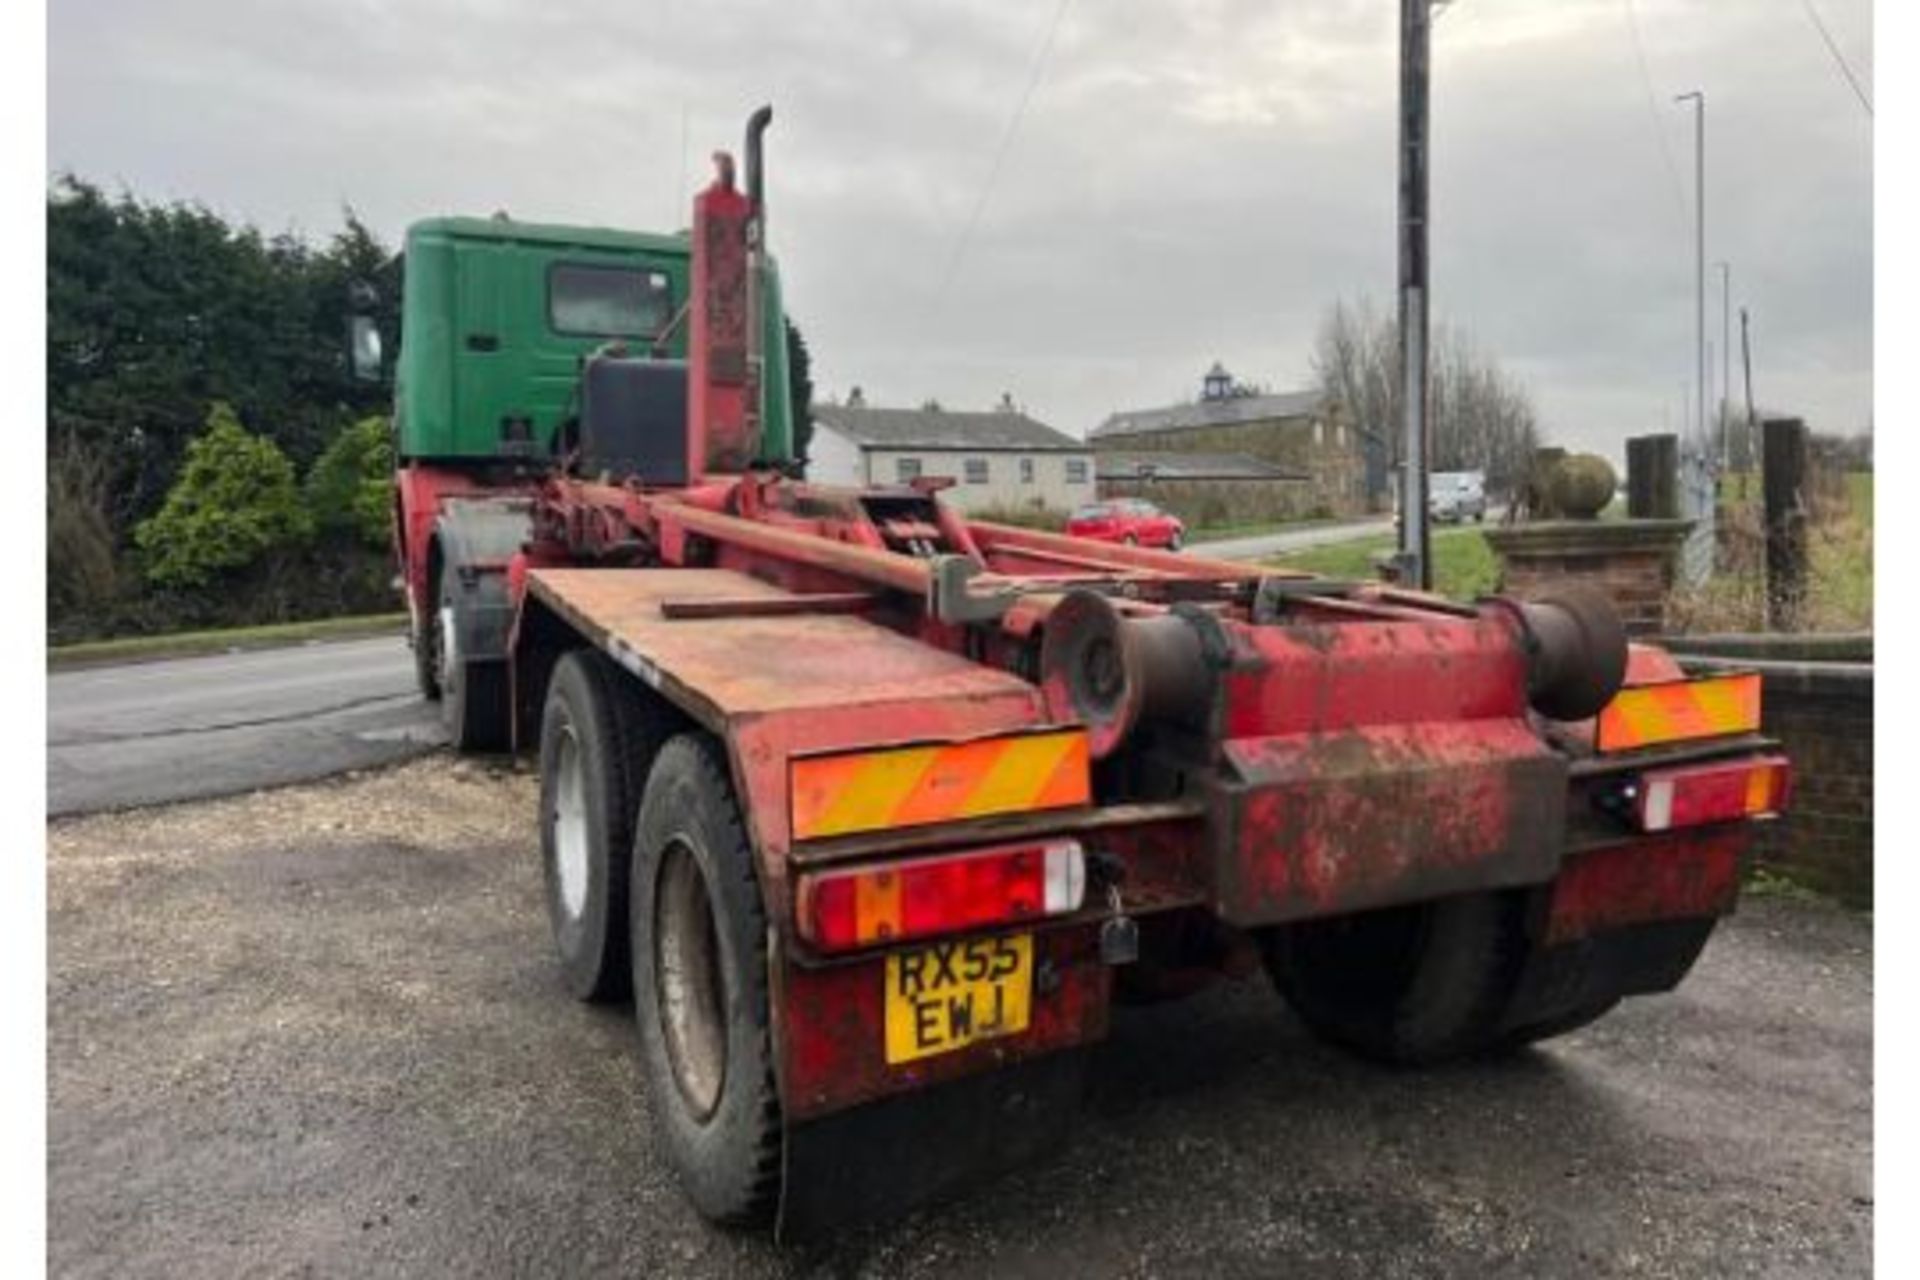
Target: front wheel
1175	541
699	945
475	696
423	634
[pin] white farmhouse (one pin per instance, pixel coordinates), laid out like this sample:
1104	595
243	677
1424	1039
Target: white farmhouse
1001	459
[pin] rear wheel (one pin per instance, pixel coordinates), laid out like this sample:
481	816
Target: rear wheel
699	945
1175	540
1130	540
592	754
1413	984
1459	976
1560	1024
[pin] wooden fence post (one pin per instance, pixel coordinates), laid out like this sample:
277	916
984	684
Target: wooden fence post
1784	489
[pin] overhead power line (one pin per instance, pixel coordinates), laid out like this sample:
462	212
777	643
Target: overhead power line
1839	59
1006	144
1653	112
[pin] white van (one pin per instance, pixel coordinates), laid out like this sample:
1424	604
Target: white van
1453	497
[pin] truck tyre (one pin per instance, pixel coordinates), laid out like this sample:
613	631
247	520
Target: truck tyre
1560	1024
699	941
589	761
424	636
1410	985
475	697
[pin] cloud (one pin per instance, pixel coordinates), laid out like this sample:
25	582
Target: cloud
1190	182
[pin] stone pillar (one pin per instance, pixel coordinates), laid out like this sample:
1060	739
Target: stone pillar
1653	470
1630	561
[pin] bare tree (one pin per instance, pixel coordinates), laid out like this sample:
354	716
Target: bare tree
1482	419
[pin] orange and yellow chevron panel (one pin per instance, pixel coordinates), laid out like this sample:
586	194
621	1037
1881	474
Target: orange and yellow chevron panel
836	795
1679	711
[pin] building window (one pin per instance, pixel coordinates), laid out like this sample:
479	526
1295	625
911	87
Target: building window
1319	433
1076	470
976	471
906	469
1026	471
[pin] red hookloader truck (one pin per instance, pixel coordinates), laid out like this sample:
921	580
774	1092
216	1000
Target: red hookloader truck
874	811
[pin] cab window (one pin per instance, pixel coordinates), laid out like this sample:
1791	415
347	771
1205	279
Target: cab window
606	301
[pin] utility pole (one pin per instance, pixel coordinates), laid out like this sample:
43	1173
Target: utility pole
1746	361
1699	101
1726	357
1415	556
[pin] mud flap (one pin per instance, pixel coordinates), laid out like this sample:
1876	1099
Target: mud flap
879	1160
1639	959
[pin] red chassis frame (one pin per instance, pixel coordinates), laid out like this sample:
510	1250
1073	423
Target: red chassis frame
1378	749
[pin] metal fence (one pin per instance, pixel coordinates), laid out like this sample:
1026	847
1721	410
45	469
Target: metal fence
1698	473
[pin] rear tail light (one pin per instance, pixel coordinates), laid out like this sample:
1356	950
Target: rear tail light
894	901
1688	797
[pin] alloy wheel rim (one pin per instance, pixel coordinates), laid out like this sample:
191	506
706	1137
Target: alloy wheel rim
691	990
570	825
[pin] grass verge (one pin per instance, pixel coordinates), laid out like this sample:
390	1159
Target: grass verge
1464	566
183	644
1839	561
1770	882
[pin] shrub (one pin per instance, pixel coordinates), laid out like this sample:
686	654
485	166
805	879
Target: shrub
1037	516
350	488
235	501
83	575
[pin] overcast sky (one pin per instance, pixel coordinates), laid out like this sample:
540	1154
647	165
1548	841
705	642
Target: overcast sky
1190	181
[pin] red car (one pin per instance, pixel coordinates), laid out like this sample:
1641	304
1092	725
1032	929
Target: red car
1129	520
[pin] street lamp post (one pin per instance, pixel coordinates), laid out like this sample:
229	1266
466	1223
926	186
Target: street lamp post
1699	101
1415	556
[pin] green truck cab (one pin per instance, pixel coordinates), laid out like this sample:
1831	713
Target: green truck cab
500	321
498	317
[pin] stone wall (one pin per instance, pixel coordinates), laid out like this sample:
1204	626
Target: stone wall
1629	561
1822	712
1208	503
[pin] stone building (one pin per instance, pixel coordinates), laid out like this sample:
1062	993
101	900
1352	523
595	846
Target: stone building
1235	456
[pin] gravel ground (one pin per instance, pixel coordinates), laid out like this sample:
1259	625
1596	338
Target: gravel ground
317	1031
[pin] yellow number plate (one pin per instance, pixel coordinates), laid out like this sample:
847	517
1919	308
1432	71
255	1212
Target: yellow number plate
953	994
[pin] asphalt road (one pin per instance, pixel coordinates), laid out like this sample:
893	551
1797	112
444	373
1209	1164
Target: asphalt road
1285	540
226	723
318	1031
